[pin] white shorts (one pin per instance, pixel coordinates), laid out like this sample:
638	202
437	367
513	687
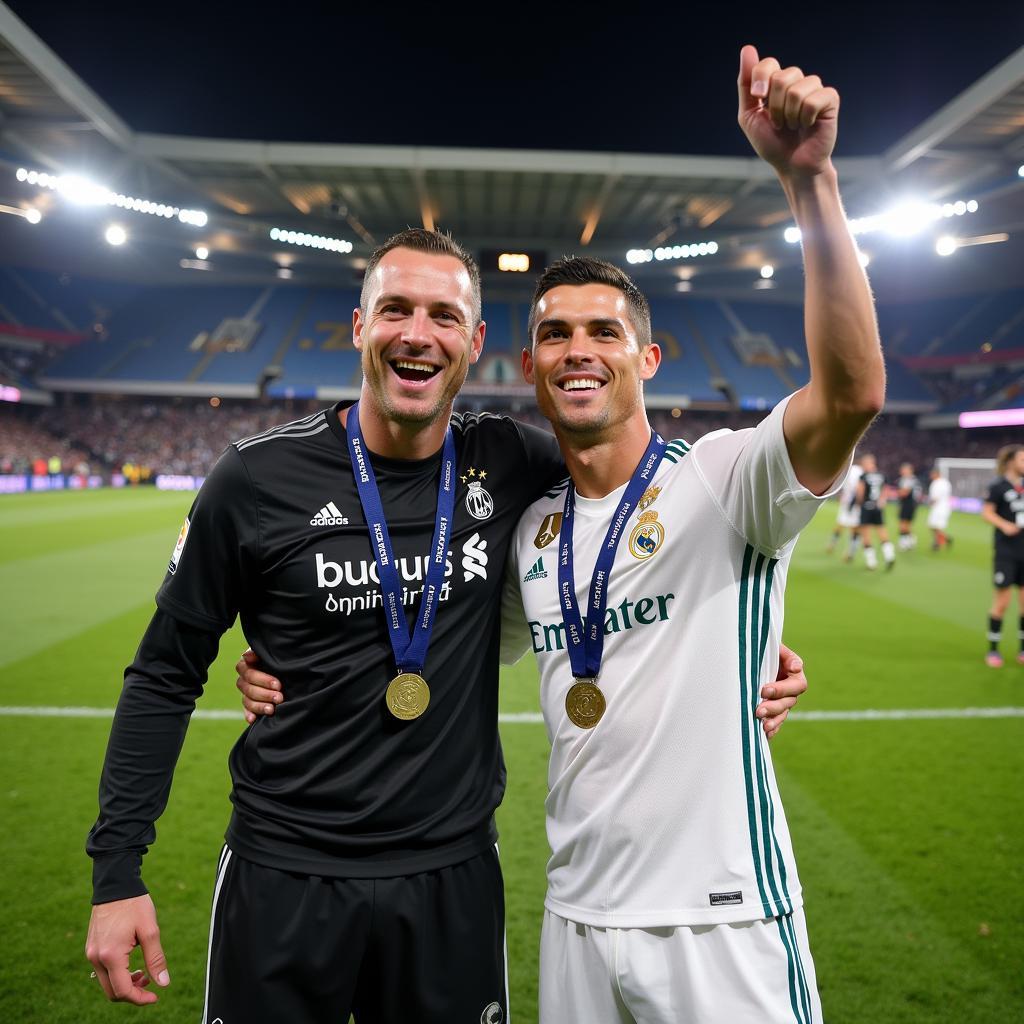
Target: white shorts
938	519
758	972
849	516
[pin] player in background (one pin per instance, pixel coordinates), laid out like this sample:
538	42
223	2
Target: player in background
910	492
1004	509
940	493
848	517
871	501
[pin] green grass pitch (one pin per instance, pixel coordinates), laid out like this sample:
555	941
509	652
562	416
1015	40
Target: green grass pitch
908	832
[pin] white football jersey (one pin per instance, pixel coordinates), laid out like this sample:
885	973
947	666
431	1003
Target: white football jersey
940	495
667	812
848	492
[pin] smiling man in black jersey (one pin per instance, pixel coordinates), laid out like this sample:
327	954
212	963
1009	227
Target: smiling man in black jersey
359	873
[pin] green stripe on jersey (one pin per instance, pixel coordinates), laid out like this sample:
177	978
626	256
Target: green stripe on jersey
805	994
756	581
676	451
762	742
745	726
795	1001
758	629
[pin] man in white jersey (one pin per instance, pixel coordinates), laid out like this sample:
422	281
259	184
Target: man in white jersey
848	517
672	889
940	506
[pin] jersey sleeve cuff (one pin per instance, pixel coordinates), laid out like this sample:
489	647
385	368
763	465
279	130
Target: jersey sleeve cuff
794	490
190	616
117	876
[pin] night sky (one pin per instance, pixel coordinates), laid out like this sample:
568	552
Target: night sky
631	78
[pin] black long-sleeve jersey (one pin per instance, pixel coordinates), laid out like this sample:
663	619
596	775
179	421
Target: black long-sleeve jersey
1009	505
331	784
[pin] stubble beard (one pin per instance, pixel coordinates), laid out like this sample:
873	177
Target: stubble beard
418	415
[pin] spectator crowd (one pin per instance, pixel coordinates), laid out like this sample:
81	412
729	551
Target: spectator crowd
186	436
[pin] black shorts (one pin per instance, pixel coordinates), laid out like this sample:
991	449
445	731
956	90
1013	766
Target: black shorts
1008	572
870	517
300	949
907	509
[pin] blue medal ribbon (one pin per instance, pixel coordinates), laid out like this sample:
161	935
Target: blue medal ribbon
410	651
586	646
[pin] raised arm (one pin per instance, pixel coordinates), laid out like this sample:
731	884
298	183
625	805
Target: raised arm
791	121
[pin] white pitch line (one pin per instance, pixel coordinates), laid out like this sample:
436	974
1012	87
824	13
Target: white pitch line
534	717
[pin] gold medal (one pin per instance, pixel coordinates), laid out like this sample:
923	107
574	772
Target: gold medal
408	696
585	703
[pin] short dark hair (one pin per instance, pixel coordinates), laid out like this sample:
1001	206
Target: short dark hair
580	270
1005	455
437	243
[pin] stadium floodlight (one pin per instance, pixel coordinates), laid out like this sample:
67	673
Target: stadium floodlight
202	252
76	189
195	218
32	215
672	252
81	191
514	262
910	218
903	220
1020	171
863	258
303	238
115	234
767	271
946	245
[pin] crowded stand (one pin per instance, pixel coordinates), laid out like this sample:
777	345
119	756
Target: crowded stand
27	448
185	437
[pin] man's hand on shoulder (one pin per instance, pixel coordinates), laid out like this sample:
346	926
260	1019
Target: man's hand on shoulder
115	929
261	693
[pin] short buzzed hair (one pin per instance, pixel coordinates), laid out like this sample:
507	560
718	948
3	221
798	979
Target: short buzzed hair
580	270
436	243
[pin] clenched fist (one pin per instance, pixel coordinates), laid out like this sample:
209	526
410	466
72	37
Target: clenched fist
790	118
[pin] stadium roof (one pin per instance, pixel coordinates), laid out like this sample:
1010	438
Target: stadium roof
544	202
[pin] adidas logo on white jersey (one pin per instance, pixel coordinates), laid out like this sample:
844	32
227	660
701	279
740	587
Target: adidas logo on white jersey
329	515
536	571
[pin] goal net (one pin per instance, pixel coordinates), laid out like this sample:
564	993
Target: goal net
969	479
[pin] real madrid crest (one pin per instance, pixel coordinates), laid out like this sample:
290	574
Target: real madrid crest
648	535
479	504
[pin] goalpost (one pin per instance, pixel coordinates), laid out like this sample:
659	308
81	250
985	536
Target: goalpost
969	479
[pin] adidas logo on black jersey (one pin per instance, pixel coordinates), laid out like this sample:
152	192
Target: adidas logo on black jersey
329	515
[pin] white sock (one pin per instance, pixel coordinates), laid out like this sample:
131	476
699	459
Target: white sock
888	551
870	557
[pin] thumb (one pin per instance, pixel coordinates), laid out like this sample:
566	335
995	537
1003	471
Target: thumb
156	962
748	60
250	657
